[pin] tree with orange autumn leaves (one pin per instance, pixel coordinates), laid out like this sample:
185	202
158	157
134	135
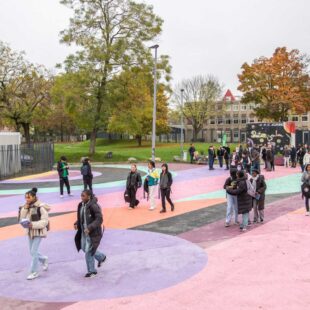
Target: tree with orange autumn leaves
279	85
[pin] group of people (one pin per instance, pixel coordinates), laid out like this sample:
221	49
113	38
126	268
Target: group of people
245	192
33	216
152	181
293	155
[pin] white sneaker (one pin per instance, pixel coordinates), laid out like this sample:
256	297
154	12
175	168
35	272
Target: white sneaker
244	229
151	209
307	213
33	276
70	195
61	196
45	264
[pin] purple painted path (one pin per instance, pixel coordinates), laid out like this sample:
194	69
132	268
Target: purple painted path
138	262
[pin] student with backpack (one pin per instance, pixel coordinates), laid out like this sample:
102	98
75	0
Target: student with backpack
63	172
305	187
89	232
87	174
33	216
232	202
134	182
259	183
243	198
165	188
152	181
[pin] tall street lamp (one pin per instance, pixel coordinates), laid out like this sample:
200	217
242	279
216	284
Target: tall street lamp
155	47
182	125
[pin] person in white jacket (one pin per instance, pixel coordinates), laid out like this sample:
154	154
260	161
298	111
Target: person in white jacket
34	218
307	158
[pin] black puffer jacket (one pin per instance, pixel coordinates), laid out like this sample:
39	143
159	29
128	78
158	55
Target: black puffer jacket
261	189
244	199
94	224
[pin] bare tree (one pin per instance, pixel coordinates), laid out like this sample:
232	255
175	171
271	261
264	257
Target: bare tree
200	94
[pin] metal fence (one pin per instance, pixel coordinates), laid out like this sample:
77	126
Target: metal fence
19	160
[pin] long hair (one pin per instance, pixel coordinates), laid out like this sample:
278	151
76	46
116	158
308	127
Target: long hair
165	165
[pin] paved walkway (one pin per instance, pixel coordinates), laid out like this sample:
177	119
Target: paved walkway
180	260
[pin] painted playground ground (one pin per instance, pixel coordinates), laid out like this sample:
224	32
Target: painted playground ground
185	259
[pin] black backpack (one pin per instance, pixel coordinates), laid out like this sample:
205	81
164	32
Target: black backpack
84	170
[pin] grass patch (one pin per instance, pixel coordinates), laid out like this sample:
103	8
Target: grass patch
122	150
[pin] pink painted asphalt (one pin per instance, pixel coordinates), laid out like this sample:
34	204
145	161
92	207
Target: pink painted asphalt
266	268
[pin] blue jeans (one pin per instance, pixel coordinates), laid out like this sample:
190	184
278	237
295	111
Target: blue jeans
245	220
232	208
90	260
256	166
36	257
211	163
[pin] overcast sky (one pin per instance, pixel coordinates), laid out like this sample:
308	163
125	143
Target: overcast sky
201	36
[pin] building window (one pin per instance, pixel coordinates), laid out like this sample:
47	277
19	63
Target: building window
243	107
236	136
236	107
236	121
252	106
212	121
228	121
295	118
243	121
228	107
219	121
304	118
228	135
252	120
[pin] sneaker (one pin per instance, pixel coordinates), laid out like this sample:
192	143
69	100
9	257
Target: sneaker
130	208
227	224
61	196
90	274
151	209
33	276
307	213
162	211
172	208
261	220
101	262
249	223
71	195
45	264
244	229
237	223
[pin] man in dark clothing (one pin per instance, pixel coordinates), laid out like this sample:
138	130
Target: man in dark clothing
134	182
300	156
89	231
220	156
165	188
255	159
227	156
191	152
87	174
293	156
211	157
62	168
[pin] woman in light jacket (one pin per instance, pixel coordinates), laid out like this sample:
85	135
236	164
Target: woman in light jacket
34	218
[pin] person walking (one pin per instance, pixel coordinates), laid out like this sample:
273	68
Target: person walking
259	183
33	216
255	159
232	201
246	162
211	157
306	158
152	180
220	156
243	198
134	182
286	154
227	157
305	187
87	174
89	232
301	152
264	156
293	156
191	152
165	187
63	172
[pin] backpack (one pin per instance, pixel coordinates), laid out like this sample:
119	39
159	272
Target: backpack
305	189
84	170
251	190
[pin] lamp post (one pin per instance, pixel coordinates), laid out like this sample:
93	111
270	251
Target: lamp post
155	47
182	125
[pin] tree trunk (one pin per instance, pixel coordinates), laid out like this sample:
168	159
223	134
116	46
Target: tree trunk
92	145
195	134
139	140
61	132
26	127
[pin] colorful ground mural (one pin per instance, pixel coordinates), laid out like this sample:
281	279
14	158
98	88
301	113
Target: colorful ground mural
185	259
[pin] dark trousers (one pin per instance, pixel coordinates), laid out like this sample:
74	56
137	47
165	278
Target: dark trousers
227	163
132	196
64	181
88	183
211	162
165	194
307	203
272	165
192	158
221	161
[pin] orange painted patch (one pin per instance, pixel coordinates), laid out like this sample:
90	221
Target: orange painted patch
118	218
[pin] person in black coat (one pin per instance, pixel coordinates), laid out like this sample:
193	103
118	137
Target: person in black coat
191	152
244	199
220	156
89	231
227	156
211	157
134	182
293	156
165	187
87	174
259	183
